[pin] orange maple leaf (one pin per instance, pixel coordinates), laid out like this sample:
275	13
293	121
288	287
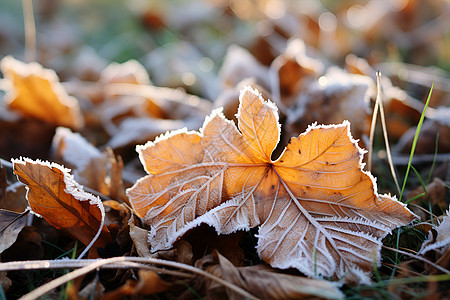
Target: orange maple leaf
62	202
317	209
36	92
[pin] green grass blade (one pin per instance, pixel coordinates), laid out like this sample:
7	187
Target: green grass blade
422	183
415	197
74	252
399	231
416	137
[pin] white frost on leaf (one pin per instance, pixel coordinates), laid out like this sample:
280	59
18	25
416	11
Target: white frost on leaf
74	148
318	209
443	236
134	130
73	188
9	64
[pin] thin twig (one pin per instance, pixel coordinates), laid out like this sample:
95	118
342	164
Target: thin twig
418	258
6	163
30	30
383	126
372	132
132	265
88	265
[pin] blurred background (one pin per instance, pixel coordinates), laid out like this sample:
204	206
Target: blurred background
315	59
183	43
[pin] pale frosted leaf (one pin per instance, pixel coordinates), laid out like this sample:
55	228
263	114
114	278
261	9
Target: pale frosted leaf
443	236
37	92
319	211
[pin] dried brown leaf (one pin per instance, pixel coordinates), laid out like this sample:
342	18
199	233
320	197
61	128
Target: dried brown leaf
36	92
28	246
239	64
335	97
436	191
11	223
442	239
101	171
61	201
266	283
149	283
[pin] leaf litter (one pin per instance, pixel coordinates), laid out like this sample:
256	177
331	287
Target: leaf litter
111	108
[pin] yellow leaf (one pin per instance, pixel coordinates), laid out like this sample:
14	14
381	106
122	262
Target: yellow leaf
57	197
317	209
36	92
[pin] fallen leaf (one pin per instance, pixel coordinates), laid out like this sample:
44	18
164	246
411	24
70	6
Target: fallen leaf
62	202
131	119
318	211
140	239
24	137
76	152
335	97
205	240
15	199
94	288
239	64
435	128
87	64
295	71
101	171
130	71
36	92
11	223
228	99
436	191
135	130
266	283
183	252
28	246
442	239
149	283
